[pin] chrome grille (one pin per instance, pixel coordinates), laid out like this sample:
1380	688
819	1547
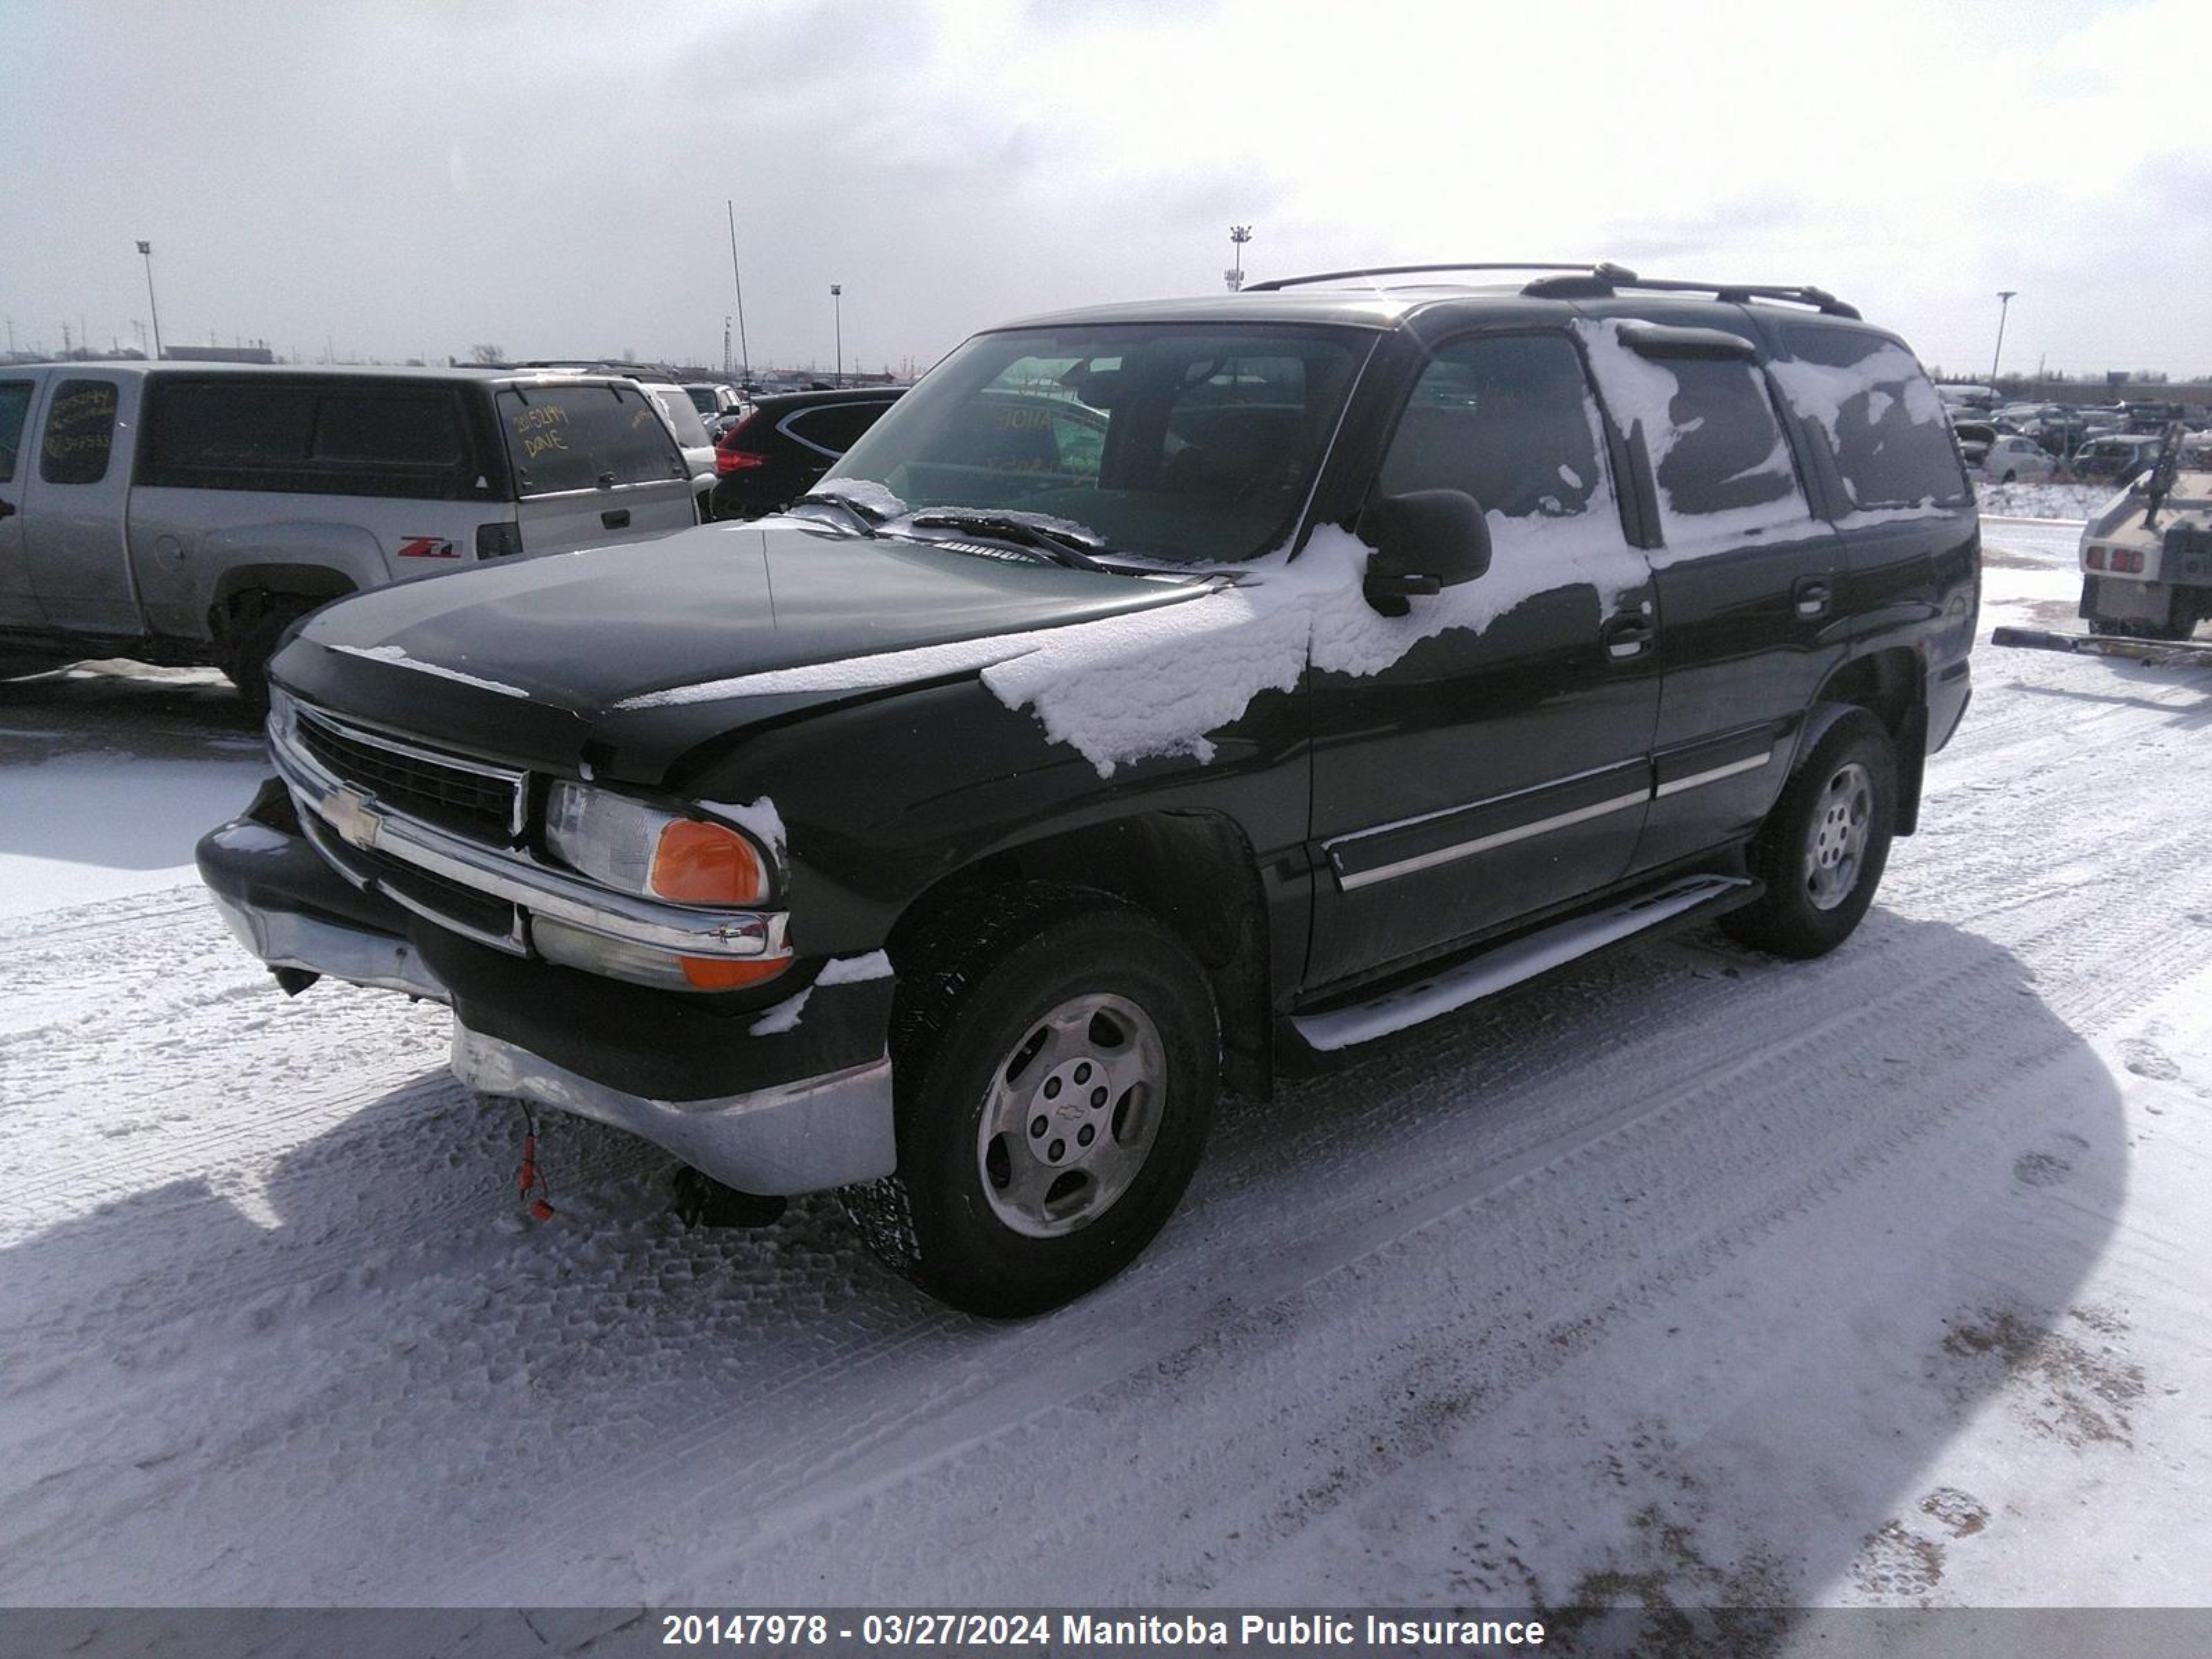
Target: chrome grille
484	802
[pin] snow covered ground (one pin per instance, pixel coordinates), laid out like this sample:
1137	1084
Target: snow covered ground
2043	501
1697	1277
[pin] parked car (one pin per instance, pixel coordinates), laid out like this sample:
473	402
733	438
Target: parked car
1974	438
774	455
720	405
1156	695
2011	458
187	512
691	434
2114	457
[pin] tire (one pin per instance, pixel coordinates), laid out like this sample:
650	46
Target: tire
1822	849
257	624
1055	1007
2009	477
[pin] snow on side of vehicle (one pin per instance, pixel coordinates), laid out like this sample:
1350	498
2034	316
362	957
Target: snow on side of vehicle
1819	391
1641	392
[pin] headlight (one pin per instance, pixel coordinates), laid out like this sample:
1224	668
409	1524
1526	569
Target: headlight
282	716
636	849
641	849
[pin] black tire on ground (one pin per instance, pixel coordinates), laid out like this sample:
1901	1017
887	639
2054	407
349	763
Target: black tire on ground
1822	850
973	1039
2009	477
257	622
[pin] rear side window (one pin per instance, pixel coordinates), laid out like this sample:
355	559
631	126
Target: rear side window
1882	419
304	438
1507	420
1725	452
80	433
579	437
1718	454
14	404
834	428
691	431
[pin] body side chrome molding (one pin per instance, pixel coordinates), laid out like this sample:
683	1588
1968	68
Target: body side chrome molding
1751	763
1496	838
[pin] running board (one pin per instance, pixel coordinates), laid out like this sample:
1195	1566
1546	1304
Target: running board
1522	960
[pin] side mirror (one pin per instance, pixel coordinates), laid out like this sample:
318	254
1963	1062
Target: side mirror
1424	541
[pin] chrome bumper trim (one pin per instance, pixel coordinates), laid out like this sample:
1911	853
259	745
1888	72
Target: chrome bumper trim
516	877
806	1136
284	939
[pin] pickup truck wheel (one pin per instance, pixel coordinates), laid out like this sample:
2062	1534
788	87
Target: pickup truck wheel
1054	1091
1821	851
257	625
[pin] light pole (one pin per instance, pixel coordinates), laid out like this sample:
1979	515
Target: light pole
2004	305
744	351
837	304
1238	235
146	252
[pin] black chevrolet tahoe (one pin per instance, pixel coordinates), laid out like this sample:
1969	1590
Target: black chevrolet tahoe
1158	696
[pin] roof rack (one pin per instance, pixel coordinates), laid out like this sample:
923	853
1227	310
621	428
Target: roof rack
1600	280
1274	283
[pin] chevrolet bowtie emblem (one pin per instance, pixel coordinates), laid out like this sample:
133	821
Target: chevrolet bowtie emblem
348	813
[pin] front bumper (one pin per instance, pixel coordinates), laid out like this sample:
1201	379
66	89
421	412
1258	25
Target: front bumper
792	1097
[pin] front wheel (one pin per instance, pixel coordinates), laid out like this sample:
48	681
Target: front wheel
1056	1068
1822	849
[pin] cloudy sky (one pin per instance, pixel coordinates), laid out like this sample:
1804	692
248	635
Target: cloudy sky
399	180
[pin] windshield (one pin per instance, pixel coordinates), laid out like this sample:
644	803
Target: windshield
1189	443
702	397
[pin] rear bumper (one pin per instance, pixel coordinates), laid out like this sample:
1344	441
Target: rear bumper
791	1097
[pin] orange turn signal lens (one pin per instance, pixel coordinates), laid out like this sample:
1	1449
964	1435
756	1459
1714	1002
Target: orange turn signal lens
700	863
721	974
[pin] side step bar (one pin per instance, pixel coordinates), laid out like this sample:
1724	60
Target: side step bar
2159	653
1522	960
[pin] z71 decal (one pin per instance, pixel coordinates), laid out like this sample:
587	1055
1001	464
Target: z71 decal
428	547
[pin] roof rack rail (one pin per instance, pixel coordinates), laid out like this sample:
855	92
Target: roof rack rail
1586	282
1274	283
1803	293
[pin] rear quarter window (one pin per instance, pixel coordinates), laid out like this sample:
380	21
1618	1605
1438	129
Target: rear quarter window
80	433
1881	417
563	438
833	429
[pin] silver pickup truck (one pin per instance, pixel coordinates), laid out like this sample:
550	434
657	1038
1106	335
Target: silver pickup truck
188	512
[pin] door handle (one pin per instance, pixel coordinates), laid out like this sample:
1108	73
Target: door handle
1810	595
1626	635
615	518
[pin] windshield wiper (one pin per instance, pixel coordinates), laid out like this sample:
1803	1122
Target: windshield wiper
1063	546
866	517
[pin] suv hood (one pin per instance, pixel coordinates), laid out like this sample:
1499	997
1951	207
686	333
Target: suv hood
556	660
